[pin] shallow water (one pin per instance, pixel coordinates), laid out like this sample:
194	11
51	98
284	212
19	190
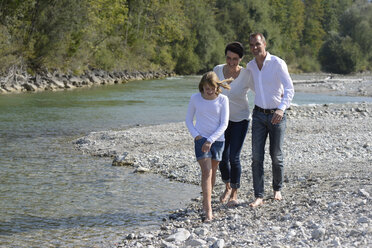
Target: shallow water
52	195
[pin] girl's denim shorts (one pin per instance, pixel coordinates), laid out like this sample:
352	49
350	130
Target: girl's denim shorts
214	153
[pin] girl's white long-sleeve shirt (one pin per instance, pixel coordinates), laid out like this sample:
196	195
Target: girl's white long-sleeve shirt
211	117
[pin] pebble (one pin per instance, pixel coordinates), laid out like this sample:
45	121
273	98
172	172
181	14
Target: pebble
196	242
180	236
318	233
219	244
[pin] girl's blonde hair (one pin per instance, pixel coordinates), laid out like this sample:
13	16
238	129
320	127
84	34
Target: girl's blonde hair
212	80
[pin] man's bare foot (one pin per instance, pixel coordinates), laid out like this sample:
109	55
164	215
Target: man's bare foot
278	196
225	196
257	202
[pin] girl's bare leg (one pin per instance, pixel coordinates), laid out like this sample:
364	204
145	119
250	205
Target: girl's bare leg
214	172
206	183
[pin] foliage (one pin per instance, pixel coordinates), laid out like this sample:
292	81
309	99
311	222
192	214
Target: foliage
340	54
307	63
185	36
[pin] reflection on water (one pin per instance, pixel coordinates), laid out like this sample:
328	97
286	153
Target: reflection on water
52	195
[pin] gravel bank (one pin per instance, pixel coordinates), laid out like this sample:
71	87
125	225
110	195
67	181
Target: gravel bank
359	84
327	191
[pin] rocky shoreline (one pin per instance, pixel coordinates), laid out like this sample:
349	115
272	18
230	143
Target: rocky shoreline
327	191
18	82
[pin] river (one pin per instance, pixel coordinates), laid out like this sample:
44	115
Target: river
54	196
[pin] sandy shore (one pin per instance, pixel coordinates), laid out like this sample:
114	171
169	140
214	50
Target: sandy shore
327	191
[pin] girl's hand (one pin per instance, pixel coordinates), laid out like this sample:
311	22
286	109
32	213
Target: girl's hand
206	146
198	137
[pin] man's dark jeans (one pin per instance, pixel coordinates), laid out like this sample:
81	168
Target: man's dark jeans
261	128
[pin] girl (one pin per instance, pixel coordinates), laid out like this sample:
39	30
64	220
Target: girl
211	110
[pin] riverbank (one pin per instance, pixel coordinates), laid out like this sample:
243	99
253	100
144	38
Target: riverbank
358	84
327	191
333	84
18	82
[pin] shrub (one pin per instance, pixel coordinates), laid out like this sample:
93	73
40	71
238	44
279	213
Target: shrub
307	63
340	55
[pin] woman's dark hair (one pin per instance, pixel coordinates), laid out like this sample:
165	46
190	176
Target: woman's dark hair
235	47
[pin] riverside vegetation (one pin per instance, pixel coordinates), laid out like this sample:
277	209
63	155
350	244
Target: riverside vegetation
327	191
187	36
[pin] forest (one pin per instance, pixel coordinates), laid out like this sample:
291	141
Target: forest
183	36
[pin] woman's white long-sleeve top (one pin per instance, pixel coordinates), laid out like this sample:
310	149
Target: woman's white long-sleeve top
238	98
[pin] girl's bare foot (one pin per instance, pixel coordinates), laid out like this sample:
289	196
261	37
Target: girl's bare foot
278	196
207	217
257	202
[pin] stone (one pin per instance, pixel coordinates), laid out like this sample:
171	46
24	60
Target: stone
131	236
141	169
180	236
54	81
212	239
201	231
364	193
318	233
196	242
363	220
123	160
29	87
336	242
219	244
166	244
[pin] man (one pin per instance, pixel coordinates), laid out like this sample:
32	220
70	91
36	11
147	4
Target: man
274	93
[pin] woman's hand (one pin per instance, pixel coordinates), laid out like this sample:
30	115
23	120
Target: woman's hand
198	137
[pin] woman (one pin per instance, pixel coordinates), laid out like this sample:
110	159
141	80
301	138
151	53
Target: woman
239	118
211	110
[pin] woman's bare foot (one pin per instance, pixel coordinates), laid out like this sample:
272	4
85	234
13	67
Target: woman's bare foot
257	202
233	201
278	196
226	195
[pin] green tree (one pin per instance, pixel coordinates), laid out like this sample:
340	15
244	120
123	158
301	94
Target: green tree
340	55
289	14
333	9
356	23
313	32
204	41
245	17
